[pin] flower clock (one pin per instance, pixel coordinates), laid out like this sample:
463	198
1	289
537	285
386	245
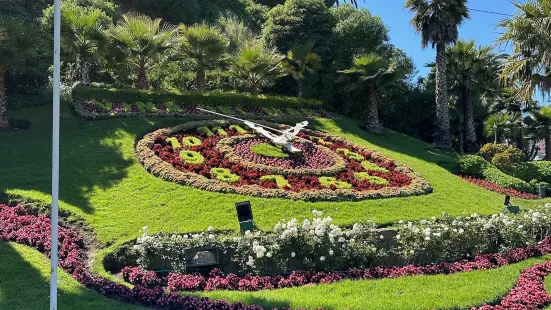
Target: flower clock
224	157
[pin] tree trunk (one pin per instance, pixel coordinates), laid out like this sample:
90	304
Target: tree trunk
548	147
85	70
471	145
200	80
372	122
143	83
299	82
442	136
3	101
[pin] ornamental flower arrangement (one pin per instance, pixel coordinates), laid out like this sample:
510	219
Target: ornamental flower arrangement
227	158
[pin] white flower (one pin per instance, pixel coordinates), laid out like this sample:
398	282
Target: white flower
411	252
250	262
427	238
322	258
398	237
293	254
341	239
269	254
330	252
255	243
247	232
210	228
259	254
381	237
186	236
423	222
437	234
401	222
211	237
317	213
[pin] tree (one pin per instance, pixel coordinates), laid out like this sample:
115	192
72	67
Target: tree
237	32
255	68
205	46
299	21
21	49
529	68
473	73
437	21
540	125
141	40
356	32
83	36
370	74
300	62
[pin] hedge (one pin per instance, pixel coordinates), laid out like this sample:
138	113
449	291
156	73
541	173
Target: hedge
532	170
21	101
478	167
192	98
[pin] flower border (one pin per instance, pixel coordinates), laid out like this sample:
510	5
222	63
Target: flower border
156	166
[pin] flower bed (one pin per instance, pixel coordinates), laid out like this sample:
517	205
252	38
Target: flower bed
498	189
17	225
93	109
330	168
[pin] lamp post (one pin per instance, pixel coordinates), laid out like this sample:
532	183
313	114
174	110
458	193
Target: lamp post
495	133
55	156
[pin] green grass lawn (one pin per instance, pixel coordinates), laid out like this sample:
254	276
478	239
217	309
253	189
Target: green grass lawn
27	286
102	181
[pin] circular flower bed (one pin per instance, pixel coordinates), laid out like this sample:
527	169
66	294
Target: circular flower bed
328	168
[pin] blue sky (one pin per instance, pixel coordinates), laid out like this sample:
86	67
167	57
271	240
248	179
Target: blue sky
481	26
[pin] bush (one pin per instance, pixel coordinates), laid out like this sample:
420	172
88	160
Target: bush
20	101
489	150
532	170
507	158
192	98
476	166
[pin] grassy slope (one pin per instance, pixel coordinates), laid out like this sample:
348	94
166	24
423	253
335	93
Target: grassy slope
27	286
102	181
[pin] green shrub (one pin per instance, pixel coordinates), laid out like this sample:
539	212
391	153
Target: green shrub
476	166
489	150
328	181
532	170
21	101
507	158
350	155
191	98
192	157
370	178
219	131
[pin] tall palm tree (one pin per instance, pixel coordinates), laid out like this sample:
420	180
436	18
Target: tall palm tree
142	41
21	49
528	31
205	46
83	35
473	73
437	21
370	73
300	62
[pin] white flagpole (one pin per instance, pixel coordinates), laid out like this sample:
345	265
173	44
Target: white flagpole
55	156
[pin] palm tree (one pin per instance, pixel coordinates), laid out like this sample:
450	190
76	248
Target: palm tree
474	73
300	62
83	36
205	46
21	49
437	21
142	41
370	73
529	68
540	124
255	68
